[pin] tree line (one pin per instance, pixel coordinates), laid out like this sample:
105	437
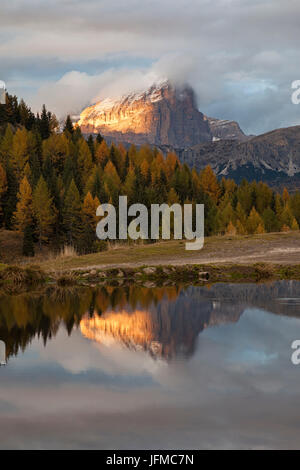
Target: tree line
52	181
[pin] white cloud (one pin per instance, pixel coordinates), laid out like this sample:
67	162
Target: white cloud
207	43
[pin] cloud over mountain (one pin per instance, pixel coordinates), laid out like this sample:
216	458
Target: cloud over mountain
239	55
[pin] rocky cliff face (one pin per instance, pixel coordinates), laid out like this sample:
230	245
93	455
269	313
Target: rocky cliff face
272	157
162	115
222	129
168	118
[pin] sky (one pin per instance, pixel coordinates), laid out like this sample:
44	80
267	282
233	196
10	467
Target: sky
240	56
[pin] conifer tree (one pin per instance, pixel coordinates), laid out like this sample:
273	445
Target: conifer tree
9	201
53	123
26	116
240	214
244	196
20	152
3	190
68	127
295	205
102	153
77	135
72	221
171	162
260	228
173	197
254	222
3	181
24	212
285	196
111	177
6	145
89	220
35	169
99	138
91	145
57	148
144	169
226	215
230	229
89	208
44	211
28	174
98	189
270	220
241	230
278	205
45	123
210	183
294	225
12	113
286	216
85	163
264	197
129	186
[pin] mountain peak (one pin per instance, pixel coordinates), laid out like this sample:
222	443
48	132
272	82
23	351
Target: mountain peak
222	129
161	115
150	95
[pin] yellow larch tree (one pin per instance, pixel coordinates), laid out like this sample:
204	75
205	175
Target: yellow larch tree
24	212
210	183
44	211
254	222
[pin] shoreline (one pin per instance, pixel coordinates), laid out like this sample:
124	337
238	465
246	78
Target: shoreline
14	279
255	258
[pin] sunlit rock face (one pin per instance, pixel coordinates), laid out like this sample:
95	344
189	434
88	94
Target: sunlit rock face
162	115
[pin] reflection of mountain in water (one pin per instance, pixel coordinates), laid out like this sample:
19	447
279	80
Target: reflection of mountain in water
166	330
165	322
171	328
280	297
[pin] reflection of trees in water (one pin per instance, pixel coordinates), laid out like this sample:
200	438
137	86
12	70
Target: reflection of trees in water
25	316
163	321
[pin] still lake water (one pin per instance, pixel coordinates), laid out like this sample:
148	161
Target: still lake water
151	368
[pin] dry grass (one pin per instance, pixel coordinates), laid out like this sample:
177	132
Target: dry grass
114	245
118	254
67	251
10	246
66	279
50	257
30	275
280	248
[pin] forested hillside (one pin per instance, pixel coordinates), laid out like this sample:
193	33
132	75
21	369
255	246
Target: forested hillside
52	181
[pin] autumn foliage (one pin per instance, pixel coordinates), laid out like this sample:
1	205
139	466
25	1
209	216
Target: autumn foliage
51	183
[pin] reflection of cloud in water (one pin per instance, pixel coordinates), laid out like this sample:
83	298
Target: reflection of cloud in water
76	355
123	399
238	387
